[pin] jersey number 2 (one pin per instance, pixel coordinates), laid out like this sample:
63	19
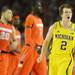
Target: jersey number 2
63	45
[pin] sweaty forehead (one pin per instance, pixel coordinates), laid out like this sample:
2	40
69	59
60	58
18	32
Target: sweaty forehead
67	9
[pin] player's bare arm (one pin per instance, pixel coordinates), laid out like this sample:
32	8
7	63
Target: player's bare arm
46	43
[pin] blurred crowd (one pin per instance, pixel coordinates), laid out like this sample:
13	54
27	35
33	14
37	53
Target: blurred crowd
50	9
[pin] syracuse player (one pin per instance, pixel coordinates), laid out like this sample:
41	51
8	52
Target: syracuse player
14	59
33	43
7	39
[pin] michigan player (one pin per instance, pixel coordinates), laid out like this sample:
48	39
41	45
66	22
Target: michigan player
62	32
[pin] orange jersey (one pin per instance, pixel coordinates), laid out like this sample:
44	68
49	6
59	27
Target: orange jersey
33	30
5	36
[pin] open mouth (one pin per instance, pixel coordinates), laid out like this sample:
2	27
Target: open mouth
68	17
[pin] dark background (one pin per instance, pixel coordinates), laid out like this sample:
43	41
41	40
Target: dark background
50	10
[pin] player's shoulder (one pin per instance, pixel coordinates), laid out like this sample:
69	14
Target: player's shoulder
30	15
1	24
73	24
54	25
8	26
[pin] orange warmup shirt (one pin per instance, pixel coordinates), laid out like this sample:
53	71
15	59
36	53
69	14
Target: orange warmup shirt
33	30
5	36
33	37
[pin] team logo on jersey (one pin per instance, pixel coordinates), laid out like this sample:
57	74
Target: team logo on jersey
61	36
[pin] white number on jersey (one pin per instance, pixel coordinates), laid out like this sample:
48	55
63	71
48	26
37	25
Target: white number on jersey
4	35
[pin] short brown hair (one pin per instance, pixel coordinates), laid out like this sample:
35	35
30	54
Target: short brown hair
64	6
